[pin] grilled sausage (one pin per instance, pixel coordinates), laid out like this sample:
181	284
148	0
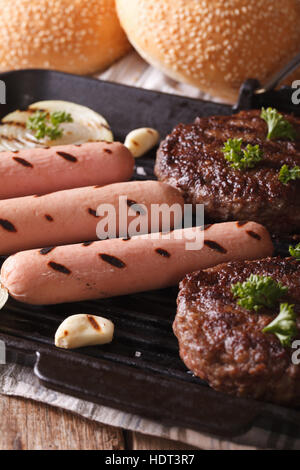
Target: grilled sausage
71	216
45	170
117	267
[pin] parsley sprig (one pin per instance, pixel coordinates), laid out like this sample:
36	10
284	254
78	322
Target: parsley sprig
257	292
48	125
284	325
241	159
287	174
262	291
295	251
278	126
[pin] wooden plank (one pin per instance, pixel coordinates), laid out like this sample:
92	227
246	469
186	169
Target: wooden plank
143	442
28	425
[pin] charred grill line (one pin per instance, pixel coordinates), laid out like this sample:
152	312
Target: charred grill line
59	267
215	246
23	162
7	225
162	252
45	251
116	262
253	234
67	156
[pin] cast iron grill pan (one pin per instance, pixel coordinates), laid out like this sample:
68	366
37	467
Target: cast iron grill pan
140	371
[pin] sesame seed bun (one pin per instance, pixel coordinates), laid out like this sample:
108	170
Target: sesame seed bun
213	44
76	36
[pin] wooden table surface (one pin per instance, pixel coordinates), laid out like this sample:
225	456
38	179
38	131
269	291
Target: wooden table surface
28	425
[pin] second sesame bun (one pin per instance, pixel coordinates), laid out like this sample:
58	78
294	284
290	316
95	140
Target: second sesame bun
76	36
213	44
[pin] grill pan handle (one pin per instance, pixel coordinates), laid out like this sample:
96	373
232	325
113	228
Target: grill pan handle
281	75
252	92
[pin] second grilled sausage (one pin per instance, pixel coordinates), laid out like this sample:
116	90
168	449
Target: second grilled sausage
71	216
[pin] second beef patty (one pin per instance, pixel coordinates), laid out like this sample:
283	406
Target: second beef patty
223	343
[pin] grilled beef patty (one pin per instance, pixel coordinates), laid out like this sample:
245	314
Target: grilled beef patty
224	344
191	160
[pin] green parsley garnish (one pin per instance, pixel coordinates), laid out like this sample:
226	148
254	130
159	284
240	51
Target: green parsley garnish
295	251
278	127
45	125
241	159
257	292
284	325
287	174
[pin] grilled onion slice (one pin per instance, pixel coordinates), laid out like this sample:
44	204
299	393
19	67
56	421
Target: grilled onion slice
87	126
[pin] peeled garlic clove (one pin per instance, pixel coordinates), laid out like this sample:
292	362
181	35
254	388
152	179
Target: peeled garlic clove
82	330
140	141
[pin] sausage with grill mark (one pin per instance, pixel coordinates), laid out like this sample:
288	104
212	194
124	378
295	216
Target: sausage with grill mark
110	268
44	170
71	216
